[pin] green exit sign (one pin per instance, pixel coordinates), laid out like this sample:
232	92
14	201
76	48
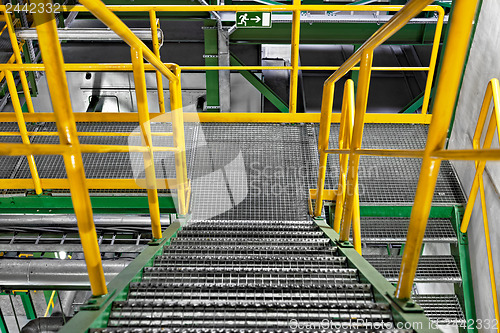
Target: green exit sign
253	20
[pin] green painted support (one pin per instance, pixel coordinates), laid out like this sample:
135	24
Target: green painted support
96	313
466	290
211	59
443	3
406	312
46	204
3	323
30	75
261	86
29	308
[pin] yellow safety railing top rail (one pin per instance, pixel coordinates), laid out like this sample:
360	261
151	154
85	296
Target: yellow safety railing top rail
443	105
296	8
71	149
492	95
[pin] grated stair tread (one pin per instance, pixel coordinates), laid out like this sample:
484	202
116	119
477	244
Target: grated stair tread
442	268
394	229
443	309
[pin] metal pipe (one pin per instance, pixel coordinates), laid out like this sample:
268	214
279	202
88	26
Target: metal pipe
58	86
179	142
444	102
22	129
52	273
357	137
146	139
294	75
69	220
153	21
17	55
99	9
44	325
92	34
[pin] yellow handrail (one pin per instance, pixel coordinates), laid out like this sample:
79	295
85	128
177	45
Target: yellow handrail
365	55
492	95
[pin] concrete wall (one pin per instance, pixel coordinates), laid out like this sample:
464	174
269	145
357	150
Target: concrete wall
482	66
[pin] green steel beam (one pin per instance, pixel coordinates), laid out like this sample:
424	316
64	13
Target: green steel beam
46	204
3	323
261	86
466	290
333	33
29	308
211	59
417	102
407	312
96	313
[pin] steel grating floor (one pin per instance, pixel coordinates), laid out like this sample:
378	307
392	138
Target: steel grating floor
394	229
250	171
442	309
435	268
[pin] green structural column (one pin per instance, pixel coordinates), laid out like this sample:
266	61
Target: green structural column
29	308
211	59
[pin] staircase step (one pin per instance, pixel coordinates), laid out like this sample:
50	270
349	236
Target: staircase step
254	242
335	294
442	309
252	225
430	268
254	276
264	316
266	234
237	262
311	251
394	229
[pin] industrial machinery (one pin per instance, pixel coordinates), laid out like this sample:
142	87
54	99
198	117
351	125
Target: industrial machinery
251	190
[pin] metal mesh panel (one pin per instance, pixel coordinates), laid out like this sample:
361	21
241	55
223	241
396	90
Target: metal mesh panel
394	230
442	309
430	268
392	180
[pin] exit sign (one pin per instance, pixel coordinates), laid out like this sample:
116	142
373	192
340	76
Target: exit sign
253	20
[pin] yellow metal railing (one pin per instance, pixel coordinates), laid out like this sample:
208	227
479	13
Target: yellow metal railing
492	95
71	149
347	205
296	8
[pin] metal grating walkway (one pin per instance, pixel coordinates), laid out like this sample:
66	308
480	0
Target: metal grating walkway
251	171
393	230
442	268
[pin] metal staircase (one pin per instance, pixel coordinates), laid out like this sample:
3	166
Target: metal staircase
249	276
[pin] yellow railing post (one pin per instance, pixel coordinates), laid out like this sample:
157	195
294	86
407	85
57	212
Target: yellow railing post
179	141
444	102
156	48
147	141
19	60
357	136
22	129
433	60
323	138
345	136
58	87
492	94
294	75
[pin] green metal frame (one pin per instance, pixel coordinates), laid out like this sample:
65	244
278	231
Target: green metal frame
261	86
211	77
460	252
466	291
407	312
96	312
3	323
29	308
47	204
